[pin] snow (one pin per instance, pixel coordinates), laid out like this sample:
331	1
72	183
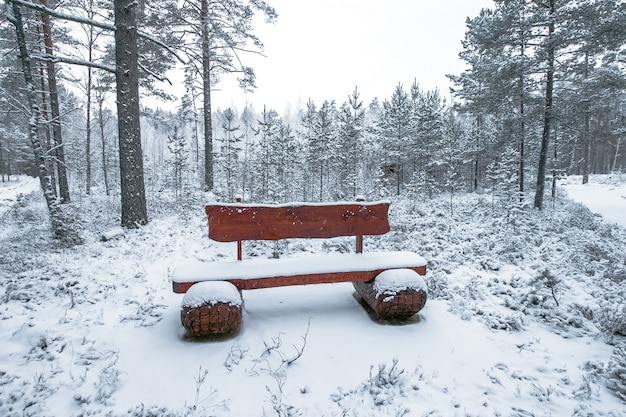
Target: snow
113	233
211	292
606	196
299	204
94	330
11	190
393	281
311	264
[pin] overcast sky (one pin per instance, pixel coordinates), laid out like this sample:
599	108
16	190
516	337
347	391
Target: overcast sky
322	49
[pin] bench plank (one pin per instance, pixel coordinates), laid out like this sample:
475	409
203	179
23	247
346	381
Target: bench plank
320	269
237	222
304	279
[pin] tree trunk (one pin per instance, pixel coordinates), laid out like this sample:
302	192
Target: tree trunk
586	128
105	167
64	189
206	94
47	145
133	193
88	133
554	171
617	146
521	177
547	118
2	164
522	102
54	209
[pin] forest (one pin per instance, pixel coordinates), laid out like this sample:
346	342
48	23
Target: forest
543	96
526	311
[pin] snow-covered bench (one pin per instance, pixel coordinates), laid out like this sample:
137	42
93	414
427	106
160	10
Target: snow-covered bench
389	282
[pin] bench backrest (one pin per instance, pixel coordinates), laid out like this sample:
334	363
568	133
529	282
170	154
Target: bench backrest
238	222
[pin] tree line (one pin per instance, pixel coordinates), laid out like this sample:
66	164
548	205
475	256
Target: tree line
543	96
126	43
546	79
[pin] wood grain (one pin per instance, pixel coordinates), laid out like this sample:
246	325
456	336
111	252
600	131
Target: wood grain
236	222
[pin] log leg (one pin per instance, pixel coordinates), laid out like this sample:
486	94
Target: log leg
211	309
394	294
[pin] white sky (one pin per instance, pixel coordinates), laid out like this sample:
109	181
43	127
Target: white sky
322	49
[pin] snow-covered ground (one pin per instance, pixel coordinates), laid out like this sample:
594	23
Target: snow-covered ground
14	189
605	195
526	317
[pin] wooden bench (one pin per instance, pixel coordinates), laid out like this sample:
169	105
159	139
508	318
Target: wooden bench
212	303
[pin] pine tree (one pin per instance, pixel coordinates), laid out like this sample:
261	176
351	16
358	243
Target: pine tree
501	80
447	158
248	120
229	152
223	29
268	184
428	131
177	146
351	126
394	130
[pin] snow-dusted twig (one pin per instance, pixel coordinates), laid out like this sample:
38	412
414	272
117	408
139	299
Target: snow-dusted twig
300	351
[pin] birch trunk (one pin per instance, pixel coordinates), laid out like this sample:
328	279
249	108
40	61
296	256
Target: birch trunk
56	215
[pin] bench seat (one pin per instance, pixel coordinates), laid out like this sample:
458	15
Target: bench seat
315	269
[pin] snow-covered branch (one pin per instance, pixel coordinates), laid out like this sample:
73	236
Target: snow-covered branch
152	73
64	16
92	22
56	59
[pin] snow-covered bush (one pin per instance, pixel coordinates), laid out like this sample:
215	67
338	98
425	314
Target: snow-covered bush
386	386
611	319
616	373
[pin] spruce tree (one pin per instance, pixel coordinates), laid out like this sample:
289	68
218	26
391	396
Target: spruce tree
177	147
350	142
229	152
394	130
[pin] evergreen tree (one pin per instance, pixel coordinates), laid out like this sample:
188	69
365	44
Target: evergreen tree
428	132
502	177
267	182
229	152
287	166
322	148
248	120
177	146
134	210
499	47
223	29
395	128
592	83
520	55
351	126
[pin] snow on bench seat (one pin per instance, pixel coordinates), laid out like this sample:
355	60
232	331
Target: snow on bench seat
315	269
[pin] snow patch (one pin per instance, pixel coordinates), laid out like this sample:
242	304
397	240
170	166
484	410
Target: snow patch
211	292
315	264
393	281
112	234
301	203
